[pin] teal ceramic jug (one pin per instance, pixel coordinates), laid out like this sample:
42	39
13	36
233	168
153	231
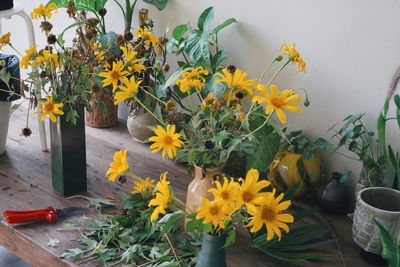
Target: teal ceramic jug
212	253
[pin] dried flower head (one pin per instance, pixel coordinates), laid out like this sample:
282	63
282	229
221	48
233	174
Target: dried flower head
120	39
128	36
102	12
51	39
26	132
143	16
46	26
71	9
231	69
92	22
166	68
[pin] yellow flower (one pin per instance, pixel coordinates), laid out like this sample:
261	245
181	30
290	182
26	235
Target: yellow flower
147	36
119	166
114	75
50	109
214	212
192	79
127	91
162	198
270	213
44	12
140	186
294	56
98	51
169	106
5	40
166	140
29	54
237	85
228	193
286	100
131	60
250	188
47	60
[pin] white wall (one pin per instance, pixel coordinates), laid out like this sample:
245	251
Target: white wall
351	49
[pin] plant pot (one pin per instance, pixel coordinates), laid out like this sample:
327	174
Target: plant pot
102	101
68	155
357	189
6	4
138	123
336	197
212	253
289	168
5	111
384	204
198	188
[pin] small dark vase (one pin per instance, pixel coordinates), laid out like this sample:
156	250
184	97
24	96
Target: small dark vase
68	155
6	4
212	253
336	196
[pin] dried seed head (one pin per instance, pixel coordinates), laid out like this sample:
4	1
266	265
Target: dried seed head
239	95
209	144
166	68
91	33
51	39
128	36
26	132
231	69
46	26
95	88
92	22
43	74
122	179
102	12
119	39
71	9
143	15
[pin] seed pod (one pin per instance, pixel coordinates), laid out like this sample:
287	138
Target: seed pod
209	144
102	12
51	39
128	36
120	39
26	132
166	68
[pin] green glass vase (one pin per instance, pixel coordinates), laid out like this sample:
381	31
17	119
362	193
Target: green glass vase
68	155
212	252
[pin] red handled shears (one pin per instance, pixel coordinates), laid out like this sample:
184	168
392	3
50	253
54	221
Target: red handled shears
48	214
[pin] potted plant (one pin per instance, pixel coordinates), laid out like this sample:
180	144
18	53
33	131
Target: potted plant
9	90
356	138
6	4
298	161
64	74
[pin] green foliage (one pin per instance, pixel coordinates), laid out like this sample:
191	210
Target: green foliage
159	4
299	143
88	5
354	136
130	238
390	245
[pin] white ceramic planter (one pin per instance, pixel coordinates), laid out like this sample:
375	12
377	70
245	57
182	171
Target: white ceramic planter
138	123
384	204
5	112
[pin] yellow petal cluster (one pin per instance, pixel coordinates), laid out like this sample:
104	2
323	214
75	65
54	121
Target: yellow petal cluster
50	109
294	56
192	79
28	57
128	90
47	60
115	75
238	86
163	197
119	166
270	212
277	102
44	12
131	60
167	140
141	186
214	212
5	40
143	34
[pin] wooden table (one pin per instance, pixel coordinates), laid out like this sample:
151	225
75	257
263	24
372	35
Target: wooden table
25	183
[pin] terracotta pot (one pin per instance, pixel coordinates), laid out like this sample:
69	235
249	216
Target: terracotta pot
5	111
384	204
97	118
212	252
289	168
198	188
138	123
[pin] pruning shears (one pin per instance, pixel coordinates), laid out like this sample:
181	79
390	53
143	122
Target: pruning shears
48	214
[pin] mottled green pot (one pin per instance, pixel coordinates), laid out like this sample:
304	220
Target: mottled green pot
68	155
212	253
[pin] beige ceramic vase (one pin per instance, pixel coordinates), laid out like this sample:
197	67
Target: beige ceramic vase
198	188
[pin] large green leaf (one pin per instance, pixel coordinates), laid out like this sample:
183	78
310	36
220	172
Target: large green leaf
159	4
197	46
391	247
226	23
205	19
90	5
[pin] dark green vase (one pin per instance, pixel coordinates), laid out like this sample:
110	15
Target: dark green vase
212	253
68	155
6	4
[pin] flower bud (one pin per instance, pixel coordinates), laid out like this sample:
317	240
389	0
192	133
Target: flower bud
166	68
279	58
209	144
120	39
128	36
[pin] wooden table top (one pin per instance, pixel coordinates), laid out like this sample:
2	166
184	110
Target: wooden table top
25	183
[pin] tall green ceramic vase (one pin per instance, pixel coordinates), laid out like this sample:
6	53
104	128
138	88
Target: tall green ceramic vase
212	252
68	155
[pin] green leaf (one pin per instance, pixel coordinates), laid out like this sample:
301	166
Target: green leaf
265	153
381	127
226	23
89	5
231	238
391	250
179	31
72	116
197	46
205	19
159	4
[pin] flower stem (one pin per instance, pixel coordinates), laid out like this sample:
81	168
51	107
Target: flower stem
261	126
149	111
